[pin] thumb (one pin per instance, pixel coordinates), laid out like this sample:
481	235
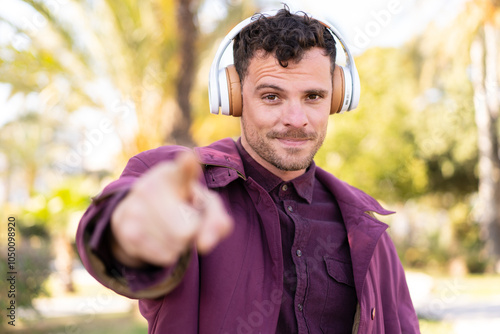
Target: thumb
188	171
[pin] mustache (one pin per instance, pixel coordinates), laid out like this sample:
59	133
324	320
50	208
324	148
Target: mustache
292	134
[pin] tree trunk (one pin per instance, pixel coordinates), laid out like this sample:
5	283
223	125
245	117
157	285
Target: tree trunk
484	79
188	34
63	261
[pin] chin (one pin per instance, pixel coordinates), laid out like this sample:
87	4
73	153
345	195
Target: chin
291	165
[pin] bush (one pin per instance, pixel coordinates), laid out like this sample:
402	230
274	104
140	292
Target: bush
32	267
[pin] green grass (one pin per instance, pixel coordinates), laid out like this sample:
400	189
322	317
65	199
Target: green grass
127	325
470	285
123	324
475	286
435	327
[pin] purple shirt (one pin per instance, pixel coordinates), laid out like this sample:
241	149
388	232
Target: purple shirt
318	283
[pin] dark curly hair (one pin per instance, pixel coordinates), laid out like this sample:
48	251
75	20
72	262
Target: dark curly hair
286	35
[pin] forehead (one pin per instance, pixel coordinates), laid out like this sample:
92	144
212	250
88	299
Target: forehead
313	67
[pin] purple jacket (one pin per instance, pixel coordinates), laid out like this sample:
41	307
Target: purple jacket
237	288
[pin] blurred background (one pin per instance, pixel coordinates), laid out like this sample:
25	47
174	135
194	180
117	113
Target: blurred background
84	85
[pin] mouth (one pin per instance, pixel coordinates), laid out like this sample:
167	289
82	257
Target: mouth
293	139
293	142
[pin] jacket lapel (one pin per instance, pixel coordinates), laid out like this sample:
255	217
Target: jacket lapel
363	229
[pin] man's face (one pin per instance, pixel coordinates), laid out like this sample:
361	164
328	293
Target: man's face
285	111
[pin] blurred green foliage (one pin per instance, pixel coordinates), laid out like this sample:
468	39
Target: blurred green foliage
401	142
32	265
68	66
411	143
405	143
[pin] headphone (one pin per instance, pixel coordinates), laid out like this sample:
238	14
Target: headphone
224	86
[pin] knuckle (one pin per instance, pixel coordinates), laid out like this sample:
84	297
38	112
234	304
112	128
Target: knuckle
184	235
132	235
168	257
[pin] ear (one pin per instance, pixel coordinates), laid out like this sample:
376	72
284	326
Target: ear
234	90
338	92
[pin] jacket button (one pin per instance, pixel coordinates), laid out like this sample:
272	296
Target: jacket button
373	313
299	253
285	187
290	208
300	307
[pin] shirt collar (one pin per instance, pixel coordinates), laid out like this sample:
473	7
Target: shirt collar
303	184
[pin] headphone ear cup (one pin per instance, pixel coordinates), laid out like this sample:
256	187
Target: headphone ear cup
338	92
234	91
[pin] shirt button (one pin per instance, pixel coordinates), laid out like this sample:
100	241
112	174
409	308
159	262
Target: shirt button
290	208
373	313
300	307
299	253
285	187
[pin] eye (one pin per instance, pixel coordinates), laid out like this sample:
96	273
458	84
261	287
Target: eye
314	96
270	97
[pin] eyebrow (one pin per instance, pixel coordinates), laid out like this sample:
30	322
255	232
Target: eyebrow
278	88
266	86
317	91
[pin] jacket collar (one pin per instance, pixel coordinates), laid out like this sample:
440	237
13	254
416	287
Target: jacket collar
223	165
222	162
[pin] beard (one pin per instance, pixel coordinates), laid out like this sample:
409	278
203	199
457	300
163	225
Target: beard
293	159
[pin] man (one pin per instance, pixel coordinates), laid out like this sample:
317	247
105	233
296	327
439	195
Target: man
260	240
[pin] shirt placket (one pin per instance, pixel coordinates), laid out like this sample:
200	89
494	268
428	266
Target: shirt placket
298	251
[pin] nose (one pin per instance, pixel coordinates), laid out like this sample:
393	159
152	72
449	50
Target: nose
294	115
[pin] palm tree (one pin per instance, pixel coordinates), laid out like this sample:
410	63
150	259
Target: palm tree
132	50
484	75
471	42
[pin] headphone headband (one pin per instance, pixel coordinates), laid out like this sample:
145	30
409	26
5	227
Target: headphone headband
218	87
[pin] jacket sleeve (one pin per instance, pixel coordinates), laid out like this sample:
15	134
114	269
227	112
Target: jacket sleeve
407	317
93	235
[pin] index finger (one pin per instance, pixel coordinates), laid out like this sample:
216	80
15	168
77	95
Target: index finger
188	171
